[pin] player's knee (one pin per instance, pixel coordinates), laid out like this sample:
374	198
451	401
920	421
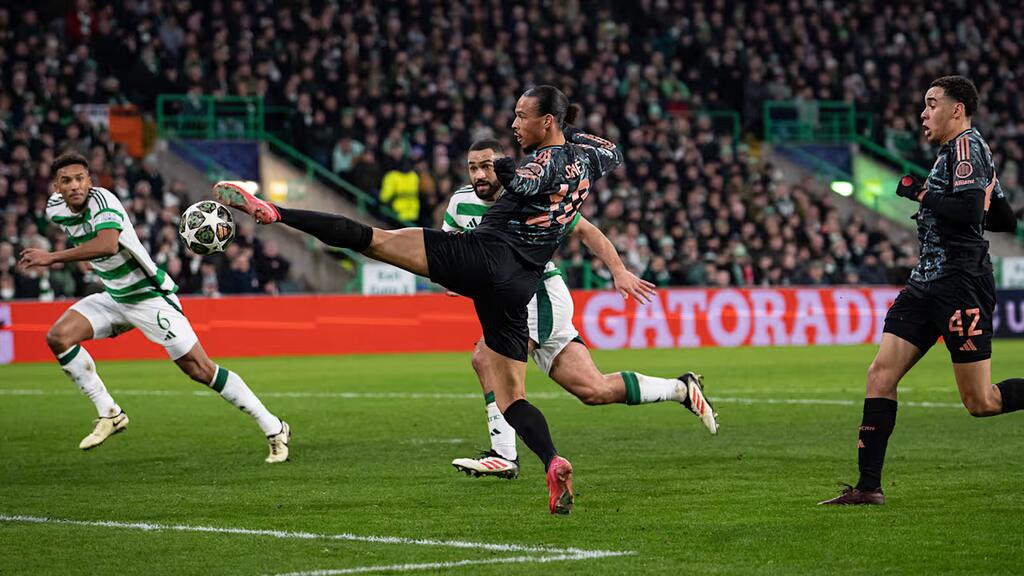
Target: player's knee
59	339
882	379
202	372
591	396
980	407
478	361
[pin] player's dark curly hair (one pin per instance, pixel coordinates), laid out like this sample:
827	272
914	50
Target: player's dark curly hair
961	90
550	100
68	158
487	144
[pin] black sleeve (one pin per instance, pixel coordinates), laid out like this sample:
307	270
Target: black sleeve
967	207
1000	216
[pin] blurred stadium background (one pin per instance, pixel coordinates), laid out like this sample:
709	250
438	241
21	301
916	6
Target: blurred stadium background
762	138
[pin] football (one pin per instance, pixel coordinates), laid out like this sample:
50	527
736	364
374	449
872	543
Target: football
206	227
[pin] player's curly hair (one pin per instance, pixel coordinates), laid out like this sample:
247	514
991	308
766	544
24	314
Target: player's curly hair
960	89
68	158
551	100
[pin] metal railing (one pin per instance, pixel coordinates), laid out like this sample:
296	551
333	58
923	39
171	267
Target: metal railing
313	169
905	166
729	119
207	117
808	121
184	117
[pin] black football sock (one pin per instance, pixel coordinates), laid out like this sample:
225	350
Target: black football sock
1012	391
531	426
875	428
332	229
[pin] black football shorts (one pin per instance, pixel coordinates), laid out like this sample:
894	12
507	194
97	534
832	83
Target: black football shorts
493	275
958	308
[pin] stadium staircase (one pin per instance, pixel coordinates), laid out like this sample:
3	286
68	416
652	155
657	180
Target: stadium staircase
312	269
203	140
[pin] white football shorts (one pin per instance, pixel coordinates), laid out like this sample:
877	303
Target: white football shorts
160	320
550	321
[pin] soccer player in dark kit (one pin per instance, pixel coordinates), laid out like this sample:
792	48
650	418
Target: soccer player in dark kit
499	263
951	292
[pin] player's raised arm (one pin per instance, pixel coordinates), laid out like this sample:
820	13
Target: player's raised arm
627	283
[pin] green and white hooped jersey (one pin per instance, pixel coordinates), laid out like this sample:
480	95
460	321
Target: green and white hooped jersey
466	210
130	276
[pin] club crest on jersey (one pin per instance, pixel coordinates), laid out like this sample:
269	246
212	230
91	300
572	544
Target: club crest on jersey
964	170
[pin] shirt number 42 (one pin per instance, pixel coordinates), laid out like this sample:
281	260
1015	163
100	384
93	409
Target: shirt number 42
956	322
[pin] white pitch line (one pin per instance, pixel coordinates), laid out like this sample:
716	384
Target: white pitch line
449	564
455	396
297	394
287	534
823	401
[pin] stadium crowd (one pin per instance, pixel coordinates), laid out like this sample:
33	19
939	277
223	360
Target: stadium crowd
35	125
390	97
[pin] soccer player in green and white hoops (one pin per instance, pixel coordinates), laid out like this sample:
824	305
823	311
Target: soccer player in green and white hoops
555	345
136	294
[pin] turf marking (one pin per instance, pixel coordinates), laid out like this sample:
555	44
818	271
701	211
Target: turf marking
543	553
453	396
451	564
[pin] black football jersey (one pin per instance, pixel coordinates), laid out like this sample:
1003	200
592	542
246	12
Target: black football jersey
964	163
546	194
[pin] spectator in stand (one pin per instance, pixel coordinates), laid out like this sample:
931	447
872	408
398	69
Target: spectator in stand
367	173
346	151
208	280
400	189
240	278
271	268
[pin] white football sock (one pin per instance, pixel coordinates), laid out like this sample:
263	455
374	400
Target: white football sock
232	388
503	436
79	366
641	389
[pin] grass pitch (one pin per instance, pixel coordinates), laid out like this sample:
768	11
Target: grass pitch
180	491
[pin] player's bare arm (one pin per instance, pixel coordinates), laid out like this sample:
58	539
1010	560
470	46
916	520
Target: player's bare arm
104	244
627	283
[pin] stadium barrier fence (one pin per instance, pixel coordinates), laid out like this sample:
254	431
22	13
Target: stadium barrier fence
319	325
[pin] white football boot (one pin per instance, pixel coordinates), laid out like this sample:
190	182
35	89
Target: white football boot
105	427
691	390
488	464
279	444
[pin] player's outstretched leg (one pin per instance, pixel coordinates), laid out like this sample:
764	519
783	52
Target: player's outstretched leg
403	248
573	368
232	388
64	340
